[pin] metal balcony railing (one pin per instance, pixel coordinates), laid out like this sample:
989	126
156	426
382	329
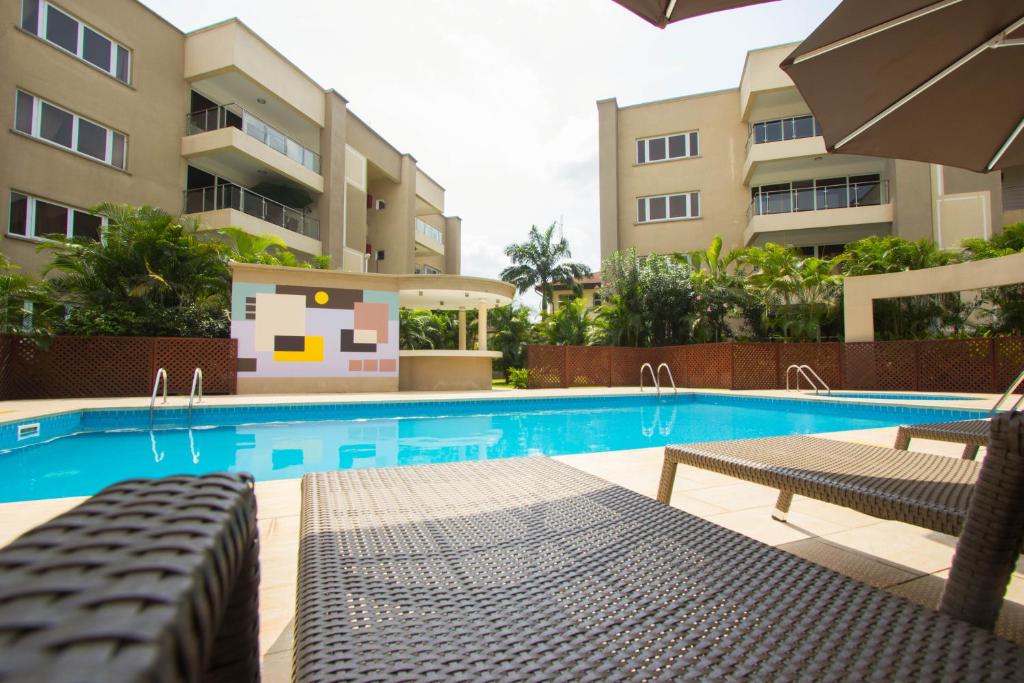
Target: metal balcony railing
429	231
819	198
233	116
778	130
230	196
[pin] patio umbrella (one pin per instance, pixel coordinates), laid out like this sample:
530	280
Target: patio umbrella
664	12
941	82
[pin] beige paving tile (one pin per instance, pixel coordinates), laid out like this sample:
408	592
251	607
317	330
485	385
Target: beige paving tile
737	495
758	524
277	610
277	668
17	518
695	506
856	565
843	518
279	498
917	549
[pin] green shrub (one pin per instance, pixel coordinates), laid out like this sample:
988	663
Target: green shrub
519	378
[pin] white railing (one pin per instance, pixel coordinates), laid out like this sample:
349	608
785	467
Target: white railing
233	116
819	198
231	196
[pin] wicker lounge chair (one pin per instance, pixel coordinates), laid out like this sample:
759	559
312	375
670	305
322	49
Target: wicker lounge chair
971	433
529	569
149	580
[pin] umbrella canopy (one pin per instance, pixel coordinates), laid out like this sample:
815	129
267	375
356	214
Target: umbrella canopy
663	12
941	82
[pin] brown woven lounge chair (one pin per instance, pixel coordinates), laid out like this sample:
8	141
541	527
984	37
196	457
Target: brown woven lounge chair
149	580
528	569
971	433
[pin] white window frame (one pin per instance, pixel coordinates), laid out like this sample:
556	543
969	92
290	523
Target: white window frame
30	218
41	21
647	148
667	197
37	124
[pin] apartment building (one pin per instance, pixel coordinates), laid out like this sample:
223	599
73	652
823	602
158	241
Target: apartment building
749	164
107	101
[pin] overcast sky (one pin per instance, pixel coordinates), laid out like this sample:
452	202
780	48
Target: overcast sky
496	98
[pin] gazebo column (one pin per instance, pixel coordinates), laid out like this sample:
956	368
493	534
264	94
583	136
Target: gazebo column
462	329
481	322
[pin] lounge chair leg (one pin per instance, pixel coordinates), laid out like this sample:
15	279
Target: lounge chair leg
902	439
970	452
668	479
781	511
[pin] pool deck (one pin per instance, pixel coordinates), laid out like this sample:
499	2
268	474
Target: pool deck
900	558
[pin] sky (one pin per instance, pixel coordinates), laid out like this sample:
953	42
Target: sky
496	99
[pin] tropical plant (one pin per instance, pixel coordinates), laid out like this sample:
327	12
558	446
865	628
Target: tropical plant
519	378
568	326
717	293
618	324
509	331
150	275
271	250
1009	241
542	261
888	254
1003	307
648	301
17	290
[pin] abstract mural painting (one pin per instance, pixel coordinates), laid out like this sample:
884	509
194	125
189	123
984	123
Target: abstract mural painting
293	331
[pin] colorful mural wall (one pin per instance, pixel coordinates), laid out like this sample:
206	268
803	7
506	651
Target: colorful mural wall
286	330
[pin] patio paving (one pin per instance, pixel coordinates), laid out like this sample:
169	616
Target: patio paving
900	558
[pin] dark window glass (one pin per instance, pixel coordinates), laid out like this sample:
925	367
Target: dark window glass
641	156
50	219
803	127
23	115
694	204
803	195
759	133
830	250
677	206
61	29
787	129
832	193
117	151
817	127
56	125
86	225
18	224
772	131
656	149
805	251
30	15
641	210
694	145
657	208
869	178
95	48
121	70
597	300
92	140
677	146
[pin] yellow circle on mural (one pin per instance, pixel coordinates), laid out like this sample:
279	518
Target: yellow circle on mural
321	297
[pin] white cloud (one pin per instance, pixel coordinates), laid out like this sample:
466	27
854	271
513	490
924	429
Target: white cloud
496	99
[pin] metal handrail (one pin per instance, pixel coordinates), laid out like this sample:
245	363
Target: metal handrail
760	204
802	371
232	196
654	378
1013	387
233	116
197	381
675	391
156	385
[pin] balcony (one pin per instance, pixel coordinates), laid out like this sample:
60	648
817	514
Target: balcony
231	131
828	206
232	205
428	238
794	137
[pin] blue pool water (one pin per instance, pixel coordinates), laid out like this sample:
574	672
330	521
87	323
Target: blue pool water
80	453
905	397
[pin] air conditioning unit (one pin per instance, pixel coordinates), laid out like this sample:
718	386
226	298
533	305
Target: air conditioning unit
381	205
380	254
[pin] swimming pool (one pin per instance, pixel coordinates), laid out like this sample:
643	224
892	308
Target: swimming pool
904	397
79	453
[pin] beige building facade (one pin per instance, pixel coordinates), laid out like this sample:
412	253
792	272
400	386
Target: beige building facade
749	164
108	102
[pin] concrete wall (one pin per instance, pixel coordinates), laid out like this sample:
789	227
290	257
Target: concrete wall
333	203
391	228
154	171
453	245
608	175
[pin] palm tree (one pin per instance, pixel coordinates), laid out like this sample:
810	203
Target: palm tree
618	324
248	248
542	261
568	326
510	331
16	290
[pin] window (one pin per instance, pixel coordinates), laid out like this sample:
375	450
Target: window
61	29
37	218
819	195
668	207
597	299
46	121
665	147
791	128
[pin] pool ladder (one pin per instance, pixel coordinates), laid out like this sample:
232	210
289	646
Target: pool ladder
656	377
195	395
160	374
1009	390
808	373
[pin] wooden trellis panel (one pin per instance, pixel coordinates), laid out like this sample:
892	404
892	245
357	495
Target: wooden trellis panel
587	366
755	365
1008	361
825	358
547	366
955	365
709	365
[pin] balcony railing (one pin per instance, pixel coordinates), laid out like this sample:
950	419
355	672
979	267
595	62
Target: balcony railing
820	198
229	196
233	116
777	130
429	231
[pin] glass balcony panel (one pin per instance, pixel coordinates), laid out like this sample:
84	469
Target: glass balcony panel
803	199
803	127
234	116
773	131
